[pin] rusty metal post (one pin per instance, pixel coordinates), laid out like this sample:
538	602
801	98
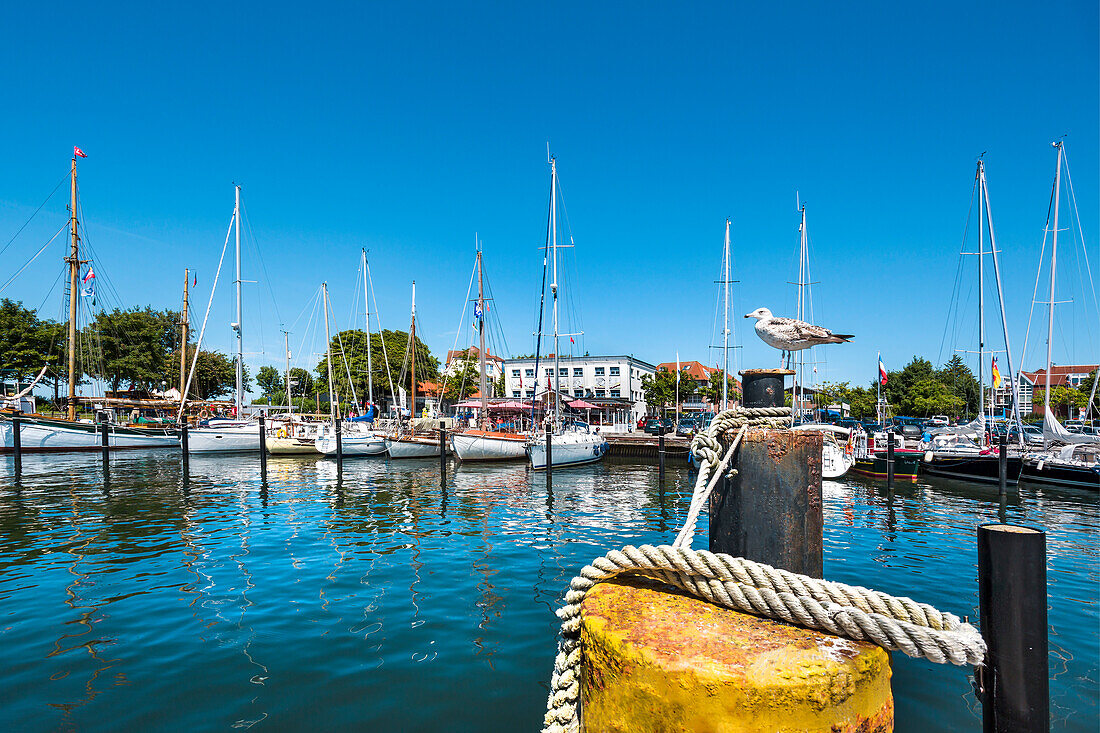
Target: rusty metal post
763	387
771	511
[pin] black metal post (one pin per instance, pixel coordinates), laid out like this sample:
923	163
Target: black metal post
186	451
549	454
442	453
339	450
661	454
1012	597
106	446
763	387
263	450
17	442
890	461
1002	465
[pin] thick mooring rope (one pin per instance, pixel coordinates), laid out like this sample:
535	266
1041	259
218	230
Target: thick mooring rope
853	612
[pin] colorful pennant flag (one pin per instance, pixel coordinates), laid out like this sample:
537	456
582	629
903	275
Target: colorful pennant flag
996	375
881	371
78	152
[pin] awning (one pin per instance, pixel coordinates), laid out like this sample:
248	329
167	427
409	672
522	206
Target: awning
582	405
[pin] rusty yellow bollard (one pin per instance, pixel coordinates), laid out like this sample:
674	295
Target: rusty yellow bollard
656	659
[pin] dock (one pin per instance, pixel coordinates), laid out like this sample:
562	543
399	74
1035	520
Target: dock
644	445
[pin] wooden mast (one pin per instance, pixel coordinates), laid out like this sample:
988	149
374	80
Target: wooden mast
481	345
412	359
74	277
183	333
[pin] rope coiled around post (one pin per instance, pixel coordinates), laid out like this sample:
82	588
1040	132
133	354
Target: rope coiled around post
854	612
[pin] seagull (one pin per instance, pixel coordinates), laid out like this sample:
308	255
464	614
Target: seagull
788	334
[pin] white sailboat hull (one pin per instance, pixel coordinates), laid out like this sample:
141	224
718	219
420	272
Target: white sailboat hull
292	446
48	437
353	445
478	445
225	439
569	449
412	447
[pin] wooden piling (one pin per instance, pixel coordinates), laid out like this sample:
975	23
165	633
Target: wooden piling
549	455
263	451
17	442
442	453
105	444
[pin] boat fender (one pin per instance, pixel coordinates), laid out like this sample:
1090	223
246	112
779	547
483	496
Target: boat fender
204	414
1039	466
928	456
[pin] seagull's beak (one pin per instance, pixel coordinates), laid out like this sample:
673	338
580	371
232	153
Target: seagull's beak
748	315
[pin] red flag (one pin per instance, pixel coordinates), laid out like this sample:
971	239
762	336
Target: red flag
196	283
571	340
79	152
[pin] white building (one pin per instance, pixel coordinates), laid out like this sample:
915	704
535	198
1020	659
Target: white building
581	376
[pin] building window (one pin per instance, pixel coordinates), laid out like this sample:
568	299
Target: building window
599	393
515	393
530	393
563	372
528	372
548	372
614	393
578	371
515	372
599	371
614	371
578	393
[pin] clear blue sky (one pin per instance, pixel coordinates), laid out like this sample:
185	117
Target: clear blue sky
405	128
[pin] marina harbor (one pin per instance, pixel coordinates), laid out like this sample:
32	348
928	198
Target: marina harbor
574	369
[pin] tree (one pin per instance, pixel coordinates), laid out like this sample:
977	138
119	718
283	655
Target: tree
130	346
712	389
463	379
301	382
931	397
215	373
392	346
957	377
270	380
27	343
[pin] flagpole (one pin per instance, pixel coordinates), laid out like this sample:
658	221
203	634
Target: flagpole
74	273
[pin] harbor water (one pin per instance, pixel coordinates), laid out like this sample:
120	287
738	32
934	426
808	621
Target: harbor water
386	602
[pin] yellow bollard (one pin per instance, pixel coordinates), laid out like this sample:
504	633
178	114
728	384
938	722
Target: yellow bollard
656	659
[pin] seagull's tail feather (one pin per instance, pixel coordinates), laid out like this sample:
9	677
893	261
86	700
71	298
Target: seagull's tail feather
840	338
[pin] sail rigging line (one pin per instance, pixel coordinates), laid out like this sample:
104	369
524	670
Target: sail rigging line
202	331
1080	230
381	336
1038	276
18	231
542	301
955	290
263	265
458	332
34	257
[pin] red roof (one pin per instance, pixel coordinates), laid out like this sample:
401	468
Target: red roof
697	370
1058	374
472	351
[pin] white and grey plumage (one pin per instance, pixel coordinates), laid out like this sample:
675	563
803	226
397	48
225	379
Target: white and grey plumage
788	334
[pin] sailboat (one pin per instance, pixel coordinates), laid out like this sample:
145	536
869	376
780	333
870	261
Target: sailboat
1077	462
406	442
43	434
355	439
235	434
572	443
481	443
289	434
952	455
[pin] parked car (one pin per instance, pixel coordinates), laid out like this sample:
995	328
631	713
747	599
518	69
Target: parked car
654	425
939	421
687	426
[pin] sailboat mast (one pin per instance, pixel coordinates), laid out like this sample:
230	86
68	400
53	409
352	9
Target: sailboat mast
412	357
803	266
981	305
239	326
481	344
74	277
1001	302
286	348
183	332
366	306
726	318
554	279
1053	269
328	358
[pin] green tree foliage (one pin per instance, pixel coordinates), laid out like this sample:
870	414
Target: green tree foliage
860	400
130	346
301	383
712	388
27	343
962	383
352	346
660	390
215	373
270	380
463	379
